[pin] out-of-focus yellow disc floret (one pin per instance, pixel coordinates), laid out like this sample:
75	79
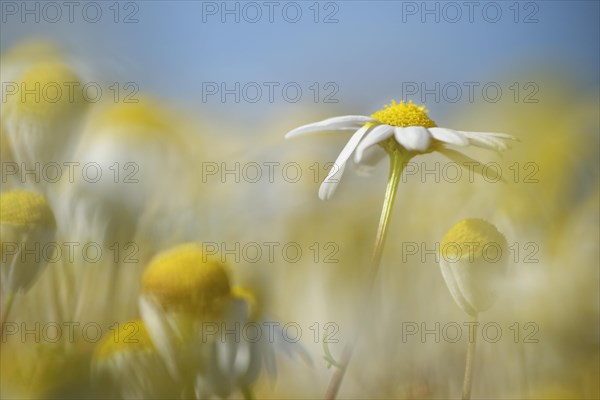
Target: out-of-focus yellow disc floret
144	118
47	90
185	278
469	237
25	208
131	336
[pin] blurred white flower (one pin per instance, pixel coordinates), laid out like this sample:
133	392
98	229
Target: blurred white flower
134	155
27	225
473	263
402	127
42	118
197	323
125	364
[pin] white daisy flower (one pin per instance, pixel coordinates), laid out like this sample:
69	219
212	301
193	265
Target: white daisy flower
399	127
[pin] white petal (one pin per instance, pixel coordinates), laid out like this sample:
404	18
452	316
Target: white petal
269	360
493	134
448	272
378	134
160	332
413	138
468	163
487	141
333	178
449	136
371	157
329	185
347	122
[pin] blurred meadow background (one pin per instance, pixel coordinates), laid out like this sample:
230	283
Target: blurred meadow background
191	151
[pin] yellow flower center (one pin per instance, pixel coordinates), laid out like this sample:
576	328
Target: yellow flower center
185	278
404	114
131	336
47	90
24	208
143	119
473	238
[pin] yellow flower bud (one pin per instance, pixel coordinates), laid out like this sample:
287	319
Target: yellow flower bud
131	336
184	278
143	119
44	94
473	262
126	365
44	115
25	209
26	223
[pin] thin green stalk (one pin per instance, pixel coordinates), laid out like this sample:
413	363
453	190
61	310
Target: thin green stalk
468	381
397	163
247	393
8	302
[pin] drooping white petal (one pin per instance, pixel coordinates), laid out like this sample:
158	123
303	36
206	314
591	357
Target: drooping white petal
449	273
488	141
371	157
378	134
329	185
160	331
347	122
289	348
333	178
468	163
269	361
493	134
413	138
449	136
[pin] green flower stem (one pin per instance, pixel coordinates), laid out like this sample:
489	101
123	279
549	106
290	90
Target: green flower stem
397	163
247	393
468	381
8	302
398	158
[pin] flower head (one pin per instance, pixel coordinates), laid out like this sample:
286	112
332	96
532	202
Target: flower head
41	118
403	115
43	102
126	364
25	209
142	143
26	221
473	262
403	128
143	119
184	278
130	336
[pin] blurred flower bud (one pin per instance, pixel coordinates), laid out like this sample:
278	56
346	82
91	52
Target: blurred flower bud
184	278
126	362
45	112
473	262
27	225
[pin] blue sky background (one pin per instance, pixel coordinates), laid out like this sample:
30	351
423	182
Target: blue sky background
369	52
